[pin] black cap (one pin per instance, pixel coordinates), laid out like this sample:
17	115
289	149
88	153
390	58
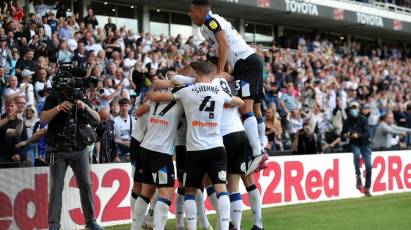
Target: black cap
200	2
3	38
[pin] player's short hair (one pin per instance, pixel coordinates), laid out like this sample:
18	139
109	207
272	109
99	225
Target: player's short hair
186	71
203	67
200	2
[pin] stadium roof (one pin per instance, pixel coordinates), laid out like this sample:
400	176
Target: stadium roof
307	14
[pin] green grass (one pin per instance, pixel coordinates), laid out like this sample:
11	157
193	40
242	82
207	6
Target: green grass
388	212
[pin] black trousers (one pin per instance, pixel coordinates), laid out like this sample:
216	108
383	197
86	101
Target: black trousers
79	162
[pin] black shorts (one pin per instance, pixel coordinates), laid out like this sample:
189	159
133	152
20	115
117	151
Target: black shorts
248	75
237	148
135	157
210	161
180	159
157	168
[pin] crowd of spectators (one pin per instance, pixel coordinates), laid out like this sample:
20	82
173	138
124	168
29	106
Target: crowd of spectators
307	90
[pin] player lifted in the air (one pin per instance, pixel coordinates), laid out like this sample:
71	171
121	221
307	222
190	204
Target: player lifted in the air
247	69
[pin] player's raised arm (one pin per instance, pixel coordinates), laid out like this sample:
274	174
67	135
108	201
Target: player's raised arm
144	108
236	101
183	80
222	50
160	96
163	84
221	37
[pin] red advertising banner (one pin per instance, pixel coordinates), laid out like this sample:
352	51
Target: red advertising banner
287	180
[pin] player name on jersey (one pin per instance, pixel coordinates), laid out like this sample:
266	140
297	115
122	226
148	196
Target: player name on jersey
204	88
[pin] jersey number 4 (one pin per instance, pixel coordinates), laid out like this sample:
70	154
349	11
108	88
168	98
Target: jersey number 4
207	106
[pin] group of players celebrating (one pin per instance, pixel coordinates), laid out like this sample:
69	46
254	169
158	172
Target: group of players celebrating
217	137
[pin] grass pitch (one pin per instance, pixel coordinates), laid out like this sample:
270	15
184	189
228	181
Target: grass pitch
388	212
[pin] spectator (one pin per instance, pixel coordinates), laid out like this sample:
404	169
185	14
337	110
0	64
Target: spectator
12	43
107	93
101	35
125	85
110	25
139	80
11	126
53	23
93	47
295	124
105	147
288	101
17	11
123	125
72	24
129	63
30	119
80	55
28	92
408	118
2	85
65	32
386	130
27	62
5	54
308	142
147	42
114	108
61	11
355	128
40	88
273	129
12	91
64	55
90	18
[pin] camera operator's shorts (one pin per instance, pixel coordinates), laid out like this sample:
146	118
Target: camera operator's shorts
237	148
180	159
135	155
210	161
157	168
248	75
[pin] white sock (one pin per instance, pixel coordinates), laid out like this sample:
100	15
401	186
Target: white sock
201	212
190	210
214	202
153	203
179	208
250	126
161	213
140	208
255	203
236	209
224	210
261	131
133	199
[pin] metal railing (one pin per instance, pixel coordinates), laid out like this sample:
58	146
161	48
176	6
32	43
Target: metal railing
382	5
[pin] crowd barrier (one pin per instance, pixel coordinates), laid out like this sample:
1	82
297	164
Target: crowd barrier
287	180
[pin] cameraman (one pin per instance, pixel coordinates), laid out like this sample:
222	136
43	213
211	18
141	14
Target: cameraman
67	149
356	129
